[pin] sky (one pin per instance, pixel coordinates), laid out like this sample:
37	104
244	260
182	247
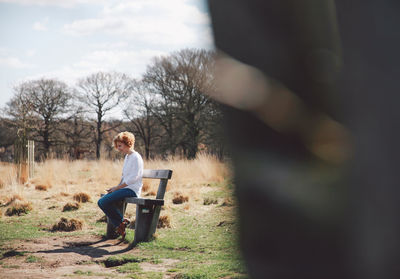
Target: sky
71	39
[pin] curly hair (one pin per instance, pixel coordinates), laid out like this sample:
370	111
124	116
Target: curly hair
126	138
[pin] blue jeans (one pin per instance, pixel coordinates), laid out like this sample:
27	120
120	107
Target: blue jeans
107	204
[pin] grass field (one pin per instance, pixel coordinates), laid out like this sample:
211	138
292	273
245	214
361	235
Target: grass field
198	239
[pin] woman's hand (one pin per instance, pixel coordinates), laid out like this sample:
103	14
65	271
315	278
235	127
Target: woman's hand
112	189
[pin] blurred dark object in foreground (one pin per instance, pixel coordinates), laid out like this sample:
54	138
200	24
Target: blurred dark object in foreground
313	123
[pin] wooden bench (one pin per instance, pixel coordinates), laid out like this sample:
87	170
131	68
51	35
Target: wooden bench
147	210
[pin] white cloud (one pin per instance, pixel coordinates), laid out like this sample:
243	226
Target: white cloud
110	45
30	52
41	25
58	3
14	62
129	62
174	23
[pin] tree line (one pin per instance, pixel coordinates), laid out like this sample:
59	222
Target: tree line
165	108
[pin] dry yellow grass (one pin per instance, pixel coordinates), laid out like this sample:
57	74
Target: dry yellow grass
188	173
8	174
64	178
7	200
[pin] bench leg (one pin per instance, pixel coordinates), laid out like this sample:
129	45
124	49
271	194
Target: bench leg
111	234
154	222
143	223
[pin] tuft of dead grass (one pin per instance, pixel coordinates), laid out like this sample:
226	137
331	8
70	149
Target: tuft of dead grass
67	225
209	201
151	193
164	222
71	206
82	197
19	208
9	200
179	198
41	187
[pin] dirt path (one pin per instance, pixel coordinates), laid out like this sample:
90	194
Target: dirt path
68	257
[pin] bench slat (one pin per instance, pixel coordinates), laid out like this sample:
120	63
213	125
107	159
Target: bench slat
160	174
142	201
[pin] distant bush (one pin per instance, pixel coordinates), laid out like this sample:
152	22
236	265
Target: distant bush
82	197
71	206
19	208
67	225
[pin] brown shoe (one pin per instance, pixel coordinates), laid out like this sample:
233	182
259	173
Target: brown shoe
121	228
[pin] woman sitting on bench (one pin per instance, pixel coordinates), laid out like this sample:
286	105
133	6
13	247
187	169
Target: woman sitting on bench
130	184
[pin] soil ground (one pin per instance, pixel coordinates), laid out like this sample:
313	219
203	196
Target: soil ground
69	256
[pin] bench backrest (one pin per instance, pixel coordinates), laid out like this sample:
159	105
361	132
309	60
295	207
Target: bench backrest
163	175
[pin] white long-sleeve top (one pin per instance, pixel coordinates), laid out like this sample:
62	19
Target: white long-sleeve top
132	172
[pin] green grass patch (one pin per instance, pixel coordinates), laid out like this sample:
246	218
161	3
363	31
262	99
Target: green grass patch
11	266
205	244
34	226
131	267
32	259
83	273
148	275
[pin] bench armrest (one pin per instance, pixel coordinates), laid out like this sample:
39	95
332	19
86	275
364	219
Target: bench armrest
145	202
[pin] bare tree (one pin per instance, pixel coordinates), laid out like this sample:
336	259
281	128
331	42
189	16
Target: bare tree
139	112
37	108
50	101
19	110
77	133
179	81
100	94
